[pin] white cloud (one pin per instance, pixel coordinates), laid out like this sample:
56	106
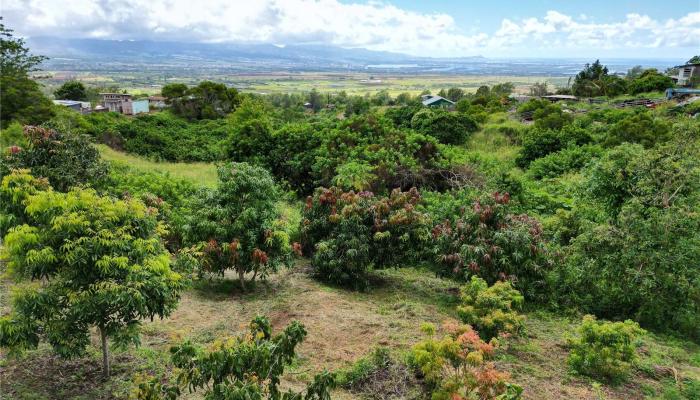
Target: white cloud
374	25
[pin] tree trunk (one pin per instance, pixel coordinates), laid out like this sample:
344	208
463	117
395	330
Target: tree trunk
241	277
105	355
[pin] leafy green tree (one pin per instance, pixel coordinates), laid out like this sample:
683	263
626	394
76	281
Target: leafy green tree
356	105
247	367
13	135
16	186
634	72
640	128
66	160
613	85
99	263
208	100
537	143
173	91
455	94
348	234
502	89
315	99
446	127
640	262
589	82
491	242
21	98
539	89
650	81
71	90
694	60
238	224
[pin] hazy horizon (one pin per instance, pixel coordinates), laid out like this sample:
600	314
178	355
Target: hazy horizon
538	29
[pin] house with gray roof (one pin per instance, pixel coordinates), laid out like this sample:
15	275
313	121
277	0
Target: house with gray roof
436	101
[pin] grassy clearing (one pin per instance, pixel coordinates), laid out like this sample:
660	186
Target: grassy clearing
200	173
343	327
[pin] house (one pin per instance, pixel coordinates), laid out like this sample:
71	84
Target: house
123	103
79	106
140	106
116	102
687	74
156	102
436	101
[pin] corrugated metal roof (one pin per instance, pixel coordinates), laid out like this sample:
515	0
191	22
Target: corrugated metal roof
435	99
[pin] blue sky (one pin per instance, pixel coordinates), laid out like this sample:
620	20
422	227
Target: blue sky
507	28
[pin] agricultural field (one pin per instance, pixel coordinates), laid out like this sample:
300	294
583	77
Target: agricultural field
352	83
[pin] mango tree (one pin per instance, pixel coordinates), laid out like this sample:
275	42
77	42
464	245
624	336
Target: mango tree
95	262
238	225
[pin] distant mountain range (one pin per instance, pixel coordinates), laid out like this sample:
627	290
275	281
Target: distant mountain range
96	54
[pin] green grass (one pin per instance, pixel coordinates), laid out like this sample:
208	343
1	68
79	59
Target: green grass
201	173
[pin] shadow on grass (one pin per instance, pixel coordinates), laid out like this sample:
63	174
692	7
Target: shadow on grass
219	289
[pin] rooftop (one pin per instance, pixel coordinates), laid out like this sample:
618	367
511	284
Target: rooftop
435	99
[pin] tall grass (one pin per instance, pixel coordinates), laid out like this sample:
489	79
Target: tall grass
200	173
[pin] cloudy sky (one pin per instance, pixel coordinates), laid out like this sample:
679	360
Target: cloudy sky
507	28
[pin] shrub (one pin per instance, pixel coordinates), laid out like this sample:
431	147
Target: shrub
605	350
170	195
101	265
247	367
237	225
458	366
446	127
650	81
488	241
537	143
66	160
639	128
491	310
563	161
163	136
351	233
639	261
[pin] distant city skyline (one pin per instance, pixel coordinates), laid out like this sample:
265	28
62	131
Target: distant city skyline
439	28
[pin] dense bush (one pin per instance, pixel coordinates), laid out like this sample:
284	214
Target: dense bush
639	128
488	241
397	158
166	137
208	100
65	159
563	161
458	366
237	225
402	116
640	263
605	350
170	195
492	310
446	127
537	143
650	81
351	233
247	367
